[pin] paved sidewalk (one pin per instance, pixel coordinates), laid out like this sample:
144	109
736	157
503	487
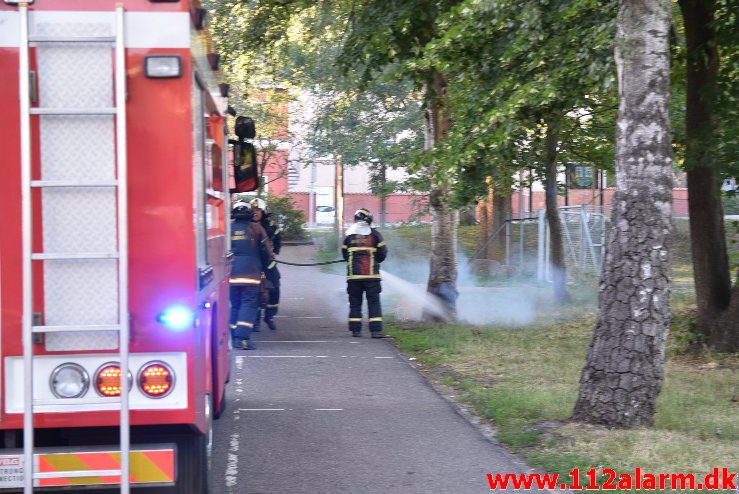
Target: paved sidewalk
315	411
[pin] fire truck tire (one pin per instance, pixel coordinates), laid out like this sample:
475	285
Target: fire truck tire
193	461
220	407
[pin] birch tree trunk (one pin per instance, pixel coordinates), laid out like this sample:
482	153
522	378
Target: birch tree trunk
624	370
442	282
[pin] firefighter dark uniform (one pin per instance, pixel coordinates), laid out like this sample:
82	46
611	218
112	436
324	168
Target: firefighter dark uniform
251	254
272	274
364	249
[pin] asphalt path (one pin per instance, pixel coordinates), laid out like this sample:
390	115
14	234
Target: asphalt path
315	411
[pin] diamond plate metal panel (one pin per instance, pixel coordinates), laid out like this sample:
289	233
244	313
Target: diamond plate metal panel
81	292
79	220
75	75
79	148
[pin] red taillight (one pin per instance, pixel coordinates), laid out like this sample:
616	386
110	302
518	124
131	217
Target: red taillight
156	379
108	380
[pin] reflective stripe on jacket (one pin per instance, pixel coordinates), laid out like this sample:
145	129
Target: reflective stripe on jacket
363	254
274	232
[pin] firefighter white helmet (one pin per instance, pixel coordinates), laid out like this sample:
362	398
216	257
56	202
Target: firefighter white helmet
241	209
258	203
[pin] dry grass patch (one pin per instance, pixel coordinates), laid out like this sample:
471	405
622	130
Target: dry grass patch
653	450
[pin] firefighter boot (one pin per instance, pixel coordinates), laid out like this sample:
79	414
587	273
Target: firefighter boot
271	324
356	334
379	334
247	344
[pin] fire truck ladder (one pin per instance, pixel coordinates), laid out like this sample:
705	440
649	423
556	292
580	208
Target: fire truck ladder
28	184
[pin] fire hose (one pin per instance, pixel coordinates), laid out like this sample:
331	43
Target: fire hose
310	264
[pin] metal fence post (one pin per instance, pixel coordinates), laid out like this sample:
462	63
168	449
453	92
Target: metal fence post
540	246
583	235
508	241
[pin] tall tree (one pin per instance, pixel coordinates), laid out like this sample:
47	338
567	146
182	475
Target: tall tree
377	37
559	270
718	303
525	70
442	282
624	370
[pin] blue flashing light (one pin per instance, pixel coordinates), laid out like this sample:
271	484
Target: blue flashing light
177	317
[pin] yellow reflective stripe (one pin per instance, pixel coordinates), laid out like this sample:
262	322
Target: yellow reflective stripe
364	276
232	326
247	281
272	265
277	232
355	319
65	462
144	468
247	324
375	319
148	466
272	306
371	249
343	246
381	244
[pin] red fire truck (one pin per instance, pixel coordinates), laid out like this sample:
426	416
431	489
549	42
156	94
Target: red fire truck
113	245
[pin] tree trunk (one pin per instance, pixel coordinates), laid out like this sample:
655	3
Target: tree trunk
482	214
501	212
557	251
442	282
707	236
624	370
489	218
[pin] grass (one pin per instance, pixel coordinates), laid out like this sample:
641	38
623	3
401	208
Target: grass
525	382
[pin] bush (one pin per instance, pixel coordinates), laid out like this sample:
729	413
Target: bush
731	203
284	213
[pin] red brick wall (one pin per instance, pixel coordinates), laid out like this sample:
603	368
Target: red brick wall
275	172
399	207
586	196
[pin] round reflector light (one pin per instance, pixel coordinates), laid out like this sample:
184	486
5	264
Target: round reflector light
108	380
156	379
69	381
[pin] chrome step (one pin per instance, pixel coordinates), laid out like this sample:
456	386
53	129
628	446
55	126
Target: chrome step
64	474
80	39
66	183
73	111
73	255
68	328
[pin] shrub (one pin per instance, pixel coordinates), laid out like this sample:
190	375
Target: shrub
283	211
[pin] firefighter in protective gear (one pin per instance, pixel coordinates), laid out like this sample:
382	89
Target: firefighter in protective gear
271	273
364	249
252	254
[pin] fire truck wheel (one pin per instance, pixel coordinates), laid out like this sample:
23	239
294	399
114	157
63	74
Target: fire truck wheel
194	454
221	406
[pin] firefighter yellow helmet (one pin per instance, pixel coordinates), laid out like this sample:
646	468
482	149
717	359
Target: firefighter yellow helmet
363	215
